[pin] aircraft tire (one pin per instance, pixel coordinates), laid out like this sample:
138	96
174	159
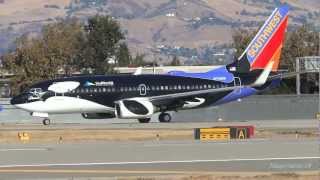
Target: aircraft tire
144	120
46	122
165	117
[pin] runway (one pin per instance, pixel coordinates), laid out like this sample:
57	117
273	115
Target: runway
109	159
126	124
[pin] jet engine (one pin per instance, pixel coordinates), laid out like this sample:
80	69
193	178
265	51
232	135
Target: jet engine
134	108
98	115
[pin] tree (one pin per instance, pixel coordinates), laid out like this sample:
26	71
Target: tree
41	57
103	37
303	41
123	56
63	42
241	39
28	63
138	60
175	61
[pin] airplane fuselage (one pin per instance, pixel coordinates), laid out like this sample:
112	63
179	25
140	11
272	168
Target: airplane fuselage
99	93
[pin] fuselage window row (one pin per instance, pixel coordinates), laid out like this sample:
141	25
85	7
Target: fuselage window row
149	88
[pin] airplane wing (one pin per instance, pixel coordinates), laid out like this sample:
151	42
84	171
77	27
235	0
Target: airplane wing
191	93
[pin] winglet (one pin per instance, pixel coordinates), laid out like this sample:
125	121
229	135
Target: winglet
264	75
138	71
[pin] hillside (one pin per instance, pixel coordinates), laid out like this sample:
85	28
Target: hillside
192	29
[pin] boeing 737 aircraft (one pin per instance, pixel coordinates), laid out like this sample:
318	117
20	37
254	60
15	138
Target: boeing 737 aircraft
140	96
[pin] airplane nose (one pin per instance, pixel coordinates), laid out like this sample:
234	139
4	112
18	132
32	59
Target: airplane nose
19	99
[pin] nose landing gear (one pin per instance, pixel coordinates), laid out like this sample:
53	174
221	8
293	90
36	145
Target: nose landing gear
46	121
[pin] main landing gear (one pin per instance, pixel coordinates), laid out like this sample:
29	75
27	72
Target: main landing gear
165	117
46	121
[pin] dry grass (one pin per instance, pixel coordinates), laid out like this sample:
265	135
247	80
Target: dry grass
235	176
89	135
52	136
286	133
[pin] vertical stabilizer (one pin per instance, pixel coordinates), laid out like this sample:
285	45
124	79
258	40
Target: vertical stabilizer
267	44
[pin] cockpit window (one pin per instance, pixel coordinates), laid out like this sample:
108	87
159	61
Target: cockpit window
36	93
35	90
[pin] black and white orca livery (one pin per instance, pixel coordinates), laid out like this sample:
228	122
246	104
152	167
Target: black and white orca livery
141	96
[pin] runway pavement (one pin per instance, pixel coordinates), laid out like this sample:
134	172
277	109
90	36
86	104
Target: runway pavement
110	159
120	124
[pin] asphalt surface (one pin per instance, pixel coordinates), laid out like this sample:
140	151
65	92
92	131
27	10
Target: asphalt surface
127	124
109	159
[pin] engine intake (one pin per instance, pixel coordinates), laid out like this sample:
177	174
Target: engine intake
134	108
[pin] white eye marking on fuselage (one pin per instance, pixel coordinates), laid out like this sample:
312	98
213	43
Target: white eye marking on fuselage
63	87
192	104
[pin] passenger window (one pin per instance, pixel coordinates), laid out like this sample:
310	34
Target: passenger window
209	86
205	86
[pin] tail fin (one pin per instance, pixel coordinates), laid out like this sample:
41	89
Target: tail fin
267	44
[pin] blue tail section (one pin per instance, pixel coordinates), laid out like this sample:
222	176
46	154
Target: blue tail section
220	74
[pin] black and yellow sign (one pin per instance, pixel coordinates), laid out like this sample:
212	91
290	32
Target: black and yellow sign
241	133
222	133
214	134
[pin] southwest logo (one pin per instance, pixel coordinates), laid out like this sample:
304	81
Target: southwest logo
264	36
98	83
88	84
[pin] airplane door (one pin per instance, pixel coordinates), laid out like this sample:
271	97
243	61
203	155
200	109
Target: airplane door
143	89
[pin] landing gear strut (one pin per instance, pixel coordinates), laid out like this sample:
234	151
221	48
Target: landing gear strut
46	121
165	117
144	120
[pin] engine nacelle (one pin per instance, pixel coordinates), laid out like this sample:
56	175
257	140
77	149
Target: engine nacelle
98	115
134	108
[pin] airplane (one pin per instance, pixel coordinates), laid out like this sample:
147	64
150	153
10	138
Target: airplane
139	96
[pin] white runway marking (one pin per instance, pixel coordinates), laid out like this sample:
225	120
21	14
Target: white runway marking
157	162
23	149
